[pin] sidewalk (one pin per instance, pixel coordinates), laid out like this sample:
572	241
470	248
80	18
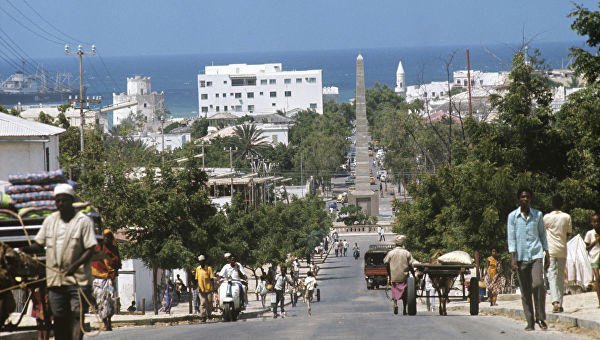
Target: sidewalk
581	310
179	313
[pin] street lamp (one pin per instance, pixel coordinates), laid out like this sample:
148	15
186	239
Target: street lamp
80	53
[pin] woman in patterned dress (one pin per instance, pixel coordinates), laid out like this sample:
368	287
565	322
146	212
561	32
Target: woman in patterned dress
494	279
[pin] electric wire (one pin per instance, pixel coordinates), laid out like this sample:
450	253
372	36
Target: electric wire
32	22
54	27
29	29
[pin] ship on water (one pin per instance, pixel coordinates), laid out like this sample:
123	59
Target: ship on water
30	89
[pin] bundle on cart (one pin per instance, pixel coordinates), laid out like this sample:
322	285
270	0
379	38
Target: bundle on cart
34	189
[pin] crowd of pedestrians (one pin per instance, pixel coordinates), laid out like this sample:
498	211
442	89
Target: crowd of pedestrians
538	243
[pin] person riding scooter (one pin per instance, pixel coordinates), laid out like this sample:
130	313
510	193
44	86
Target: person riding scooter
234	271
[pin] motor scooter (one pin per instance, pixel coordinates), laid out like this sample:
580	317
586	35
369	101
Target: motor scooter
356	253
230	299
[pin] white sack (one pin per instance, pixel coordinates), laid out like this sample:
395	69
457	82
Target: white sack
456	257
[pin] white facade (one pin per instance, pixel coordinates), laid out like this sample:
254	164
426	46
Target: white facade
331	94
480	79
134	283
427	92
172	141
139	89
27	146
258	89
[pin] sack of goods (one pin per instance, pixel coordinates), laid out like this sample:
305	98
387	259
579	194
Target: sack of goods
456	257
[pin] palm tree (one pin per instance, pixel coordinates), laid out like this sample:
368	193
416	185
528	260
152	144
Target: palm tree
249	141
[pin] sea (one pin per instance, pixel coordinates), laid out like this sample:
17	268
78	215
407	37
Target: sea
176	75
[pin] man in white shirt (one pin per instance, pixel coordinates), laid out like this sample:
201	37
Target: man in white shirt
70	240
233	269
592	242
310	283
558	225
280	281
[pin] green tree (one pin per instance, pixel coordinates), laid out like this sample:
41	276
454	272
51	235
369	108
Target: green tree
199	128
249	142
587	61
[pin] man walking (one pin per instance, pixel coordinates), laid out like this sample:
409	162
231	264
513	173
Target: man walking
398	262
70	240
528	246
280	281
381	233
206	280
558	225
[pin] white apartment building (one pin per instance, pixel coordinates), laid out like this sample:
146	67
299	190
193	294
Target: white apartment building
258	89
139	89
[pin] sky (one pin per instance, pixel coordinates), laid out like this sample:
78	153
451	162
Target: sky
152	27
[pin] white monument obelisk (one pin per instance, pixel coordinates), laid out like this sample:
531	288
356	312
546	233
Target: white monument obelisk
363	196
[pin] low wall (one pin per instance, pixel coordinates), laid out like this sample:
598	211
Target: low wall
361	228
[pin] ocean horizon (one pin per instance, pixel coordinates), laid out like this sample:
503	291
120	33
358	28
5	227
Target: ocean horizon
176	75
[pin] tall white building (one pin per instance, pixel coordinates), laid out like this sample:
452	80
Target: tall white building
400	81
139	89
258	89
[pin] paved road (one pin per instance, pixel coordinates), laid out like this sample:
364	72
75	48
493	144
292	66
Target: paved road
347	310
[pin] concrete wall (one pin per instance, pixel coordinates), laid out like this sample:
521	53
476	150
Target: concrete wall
27	154
135	283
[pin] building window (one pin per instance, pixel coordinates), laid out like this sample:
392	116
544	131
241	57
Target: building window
433	94
441	93
465	82
287	81
263	82
251	108
145	105
217	109
273	94
313	105
272	104
202	83
209	83
224	95
311	80
210	106
225	108
288	93
272	81
250	95
204	96
231	94
238	108
225	82
298	80
205	109
216	95
238	95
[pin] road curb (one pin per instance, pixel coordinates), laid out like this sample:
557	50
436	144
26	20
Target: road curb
567	320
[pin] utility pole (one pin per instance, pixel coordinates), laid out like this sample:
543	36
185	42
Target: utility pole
231	167
301	174
80	53
469	81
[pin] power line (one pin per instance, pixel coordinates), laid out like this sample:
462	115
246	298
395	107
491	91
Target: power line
54	27
31	21
29	29
107	72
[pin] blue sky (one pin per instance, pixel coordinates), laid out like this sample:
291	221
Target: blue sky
150	27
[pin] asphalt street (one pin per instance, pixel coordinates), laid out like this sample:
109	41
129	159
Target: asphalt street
347	310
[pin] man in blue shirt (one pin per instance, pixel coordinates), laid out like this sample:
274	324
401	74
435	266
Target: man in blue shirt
528	247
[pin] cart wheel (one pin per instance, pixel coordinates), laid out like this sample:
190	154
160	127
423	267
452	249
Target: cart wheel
411	296
474	296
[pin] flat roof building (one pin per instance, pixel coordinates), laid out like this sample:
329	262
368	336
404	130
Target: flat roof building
258	89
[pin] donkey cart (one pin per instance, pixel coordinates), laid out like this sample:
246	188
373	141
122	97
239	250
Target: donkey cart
443	277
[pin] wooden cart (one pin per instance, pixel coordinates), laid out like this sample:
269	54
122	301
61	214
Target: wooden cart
443	274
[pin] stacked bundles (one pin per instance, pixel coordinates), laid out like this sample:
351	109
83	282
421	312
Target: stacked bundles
35	189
